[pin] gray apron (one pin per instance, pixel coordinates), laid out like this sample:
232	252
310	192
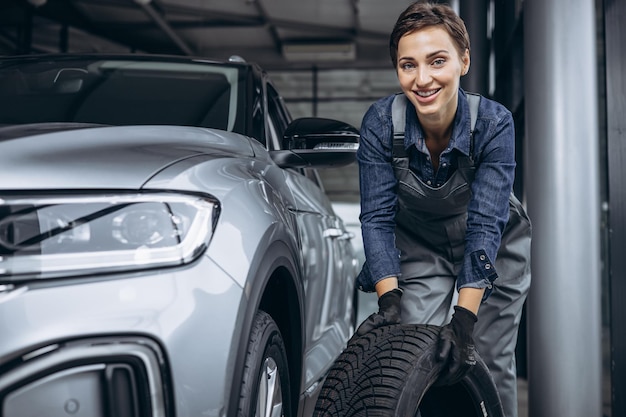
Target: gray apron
430	234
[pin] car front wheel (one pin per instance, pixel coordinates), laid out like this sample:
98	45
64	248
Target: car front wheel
265	387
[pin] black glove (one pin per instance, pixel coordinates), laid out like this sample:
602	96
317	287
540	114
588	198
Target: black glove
455	346
388	312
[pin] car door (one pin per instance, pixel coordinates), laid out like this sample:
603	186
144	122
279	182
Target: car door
327	258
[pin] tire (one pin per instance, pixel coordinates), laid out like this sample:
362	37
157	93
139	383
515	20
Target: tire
265	389
391	372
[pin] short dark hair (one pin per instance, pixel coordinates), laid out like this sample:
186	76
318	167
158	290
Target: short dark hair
424	14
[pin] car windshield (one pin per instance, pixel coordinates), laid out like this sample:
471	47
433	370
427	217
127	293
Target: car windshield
122	92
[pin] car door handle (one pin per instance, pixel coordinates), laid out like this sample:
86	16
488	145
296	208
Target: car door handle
334	233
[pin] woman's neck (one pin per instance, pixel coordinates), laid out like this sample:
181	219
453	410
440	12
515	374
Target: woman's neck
438	126
437	137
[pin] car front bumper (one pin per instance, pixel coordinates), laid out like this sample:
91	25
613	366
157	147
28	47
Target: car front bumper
155	343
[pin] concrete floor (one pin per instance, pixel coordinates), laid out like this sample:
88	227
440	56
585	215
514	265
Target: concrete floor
522	397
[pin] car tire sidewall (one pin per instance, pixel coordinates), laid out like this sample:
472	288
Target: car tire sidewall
391	371
477	391
265	342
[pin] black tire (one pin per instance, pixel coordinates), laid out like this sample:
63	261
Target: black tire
391	371
265	386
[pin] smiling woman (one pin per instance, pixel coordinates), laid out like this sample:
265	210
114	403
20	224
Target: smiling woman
446	242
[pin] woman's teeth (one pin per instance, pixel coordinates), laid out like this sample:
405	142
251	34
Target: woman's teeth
426	93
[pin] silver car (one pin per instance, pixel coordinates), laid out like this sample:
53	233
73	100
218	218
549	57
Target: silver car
166	246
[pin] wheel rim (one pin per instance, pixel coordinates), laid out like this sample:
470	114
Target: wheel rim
270	399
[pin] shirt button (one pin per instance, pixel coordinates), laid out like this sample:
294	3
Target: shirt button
444	165
428	182
487	266
482	257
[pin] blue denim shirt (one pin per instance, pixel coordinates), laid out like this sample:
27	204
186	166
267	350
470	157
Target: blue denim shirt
488	209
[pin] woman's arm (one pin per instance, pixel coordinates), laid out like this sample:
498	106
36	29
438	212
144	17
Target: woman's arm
378	195
470	298
386	284
488	210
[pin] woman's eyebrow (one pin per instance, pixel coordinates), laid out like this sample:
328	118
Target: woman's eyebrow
444	51
430	55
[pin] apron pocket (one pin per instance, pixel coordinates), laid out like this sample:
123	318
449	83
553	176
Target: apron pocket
455	230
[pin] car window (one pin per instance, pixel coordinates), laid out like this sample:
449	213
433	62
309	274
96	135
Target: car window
314	176
273	136
119	92
278	117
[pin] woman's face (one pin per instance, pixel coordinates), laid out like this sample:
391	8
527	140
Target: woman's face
429	70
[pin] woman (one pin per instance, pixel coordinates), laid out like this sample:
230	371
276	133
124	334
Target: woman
437	210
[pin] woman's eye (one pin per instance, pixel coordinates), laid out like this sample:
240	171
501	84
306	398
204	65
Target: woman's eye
407	66
439	62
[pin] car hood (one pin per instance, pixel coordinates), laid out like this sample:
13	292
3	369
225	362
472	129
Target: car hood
71	156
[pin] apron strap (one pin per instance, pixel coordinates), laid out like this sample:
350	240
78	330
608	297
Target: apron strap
398	116
473	100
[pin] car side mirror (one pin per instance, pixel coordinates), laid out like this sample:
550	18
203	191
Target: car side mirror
317	142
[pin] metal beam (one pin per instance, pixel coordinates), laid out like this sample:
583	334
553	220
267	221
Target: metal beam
562	181
615	33
148	7
474	14
269	24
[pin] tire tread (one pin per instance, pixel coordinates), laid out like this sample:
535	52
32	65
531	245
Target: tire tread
391	372
373	368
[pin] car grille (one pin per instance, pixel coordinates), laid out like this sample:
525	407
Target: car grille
97	378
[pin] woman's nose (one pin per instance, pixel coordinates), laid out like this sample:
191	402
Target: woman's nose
422	76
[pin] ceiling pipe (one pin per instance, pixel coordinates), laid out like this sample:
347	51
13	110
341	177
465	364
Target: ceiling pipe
270	25
147	6
37	3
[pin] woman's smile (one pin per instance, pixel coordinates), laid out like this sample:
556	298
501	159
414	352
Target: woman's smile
426	96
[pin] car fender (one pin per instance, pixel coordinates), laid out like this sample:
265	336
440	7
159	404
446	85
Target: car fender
278	267
265	251
249	205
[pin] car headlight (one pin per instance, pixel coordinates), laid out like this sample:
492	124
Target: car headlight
51	236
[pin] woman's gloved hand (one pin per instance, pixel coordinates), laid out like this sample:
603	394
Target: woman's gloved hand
455	346
388	312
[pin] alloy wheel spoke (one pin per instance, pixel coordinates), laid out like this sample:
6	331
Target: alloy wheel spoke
270	398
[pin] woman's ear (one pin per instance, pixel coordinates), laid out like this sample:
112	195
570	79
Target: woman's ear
466	62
